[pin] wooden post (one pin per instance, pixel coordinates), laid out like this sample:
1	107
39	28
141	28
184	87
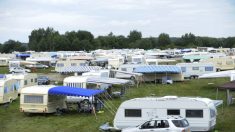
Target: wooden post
228	98
217	90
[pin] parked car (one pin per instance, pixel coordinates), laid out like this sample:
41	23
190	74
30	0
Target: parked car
43	80
18	70
38	65
165	124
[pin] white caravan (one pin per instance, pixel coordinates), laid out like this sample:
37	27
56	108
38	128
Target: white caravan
222	63
123	71
194	70
200	112
25	79
35	99
8	89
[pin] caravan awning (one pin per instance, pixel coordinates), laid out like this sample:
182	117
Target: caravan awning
158	69
107	80
71	91
80	69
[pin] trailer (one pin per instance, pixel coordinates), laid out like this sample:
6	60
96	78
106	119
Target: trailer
194	70
35	99
123	71
221	63
8	89
200	112
25	80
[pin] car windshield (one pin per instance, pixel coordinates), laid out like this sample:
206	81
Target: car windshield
180	123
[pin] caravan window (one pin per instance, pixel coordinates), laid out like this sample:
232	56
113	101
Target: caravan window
183	69
173	112
195	68
32	80
132	112
60	64
152	63
209	68
123	69
33	99
229	62
194	113
25	82
73	64
35	80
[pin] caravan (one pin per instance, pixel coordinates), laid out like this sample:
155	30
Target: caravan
194	70
8	89
200	112
25	80
35	99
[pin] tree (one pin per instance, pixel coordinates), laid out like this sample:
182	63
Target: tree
42	40
12	45
1	48
164	40
134	36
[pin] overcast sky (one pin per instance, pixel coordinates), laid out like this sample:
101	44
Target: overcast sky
215	18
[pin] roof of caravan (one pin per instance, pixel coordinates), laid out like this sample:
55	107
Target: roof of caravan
22	75
175	98
107	80
37	89
196	64
75	79
158	69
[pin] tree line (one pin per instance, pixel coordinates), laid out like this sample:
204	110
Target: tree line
51	40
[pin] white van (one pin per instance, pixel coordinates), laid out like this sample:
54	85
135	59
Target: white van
200	112
8	89
35	99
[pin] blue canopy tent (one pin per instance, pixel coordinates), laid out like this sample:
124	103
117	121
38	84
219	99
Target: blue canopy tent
71	91
158	69
79	69
168	70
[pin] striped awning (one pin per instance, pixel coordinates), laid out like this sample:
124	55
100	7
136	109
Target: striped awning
79	69
158	69
107	80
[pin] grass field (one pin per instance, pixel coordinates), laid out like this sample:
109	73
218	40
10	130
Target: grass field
11	120
5	70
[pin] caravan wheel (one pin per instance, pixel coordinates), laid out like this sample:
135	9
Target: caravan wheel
132	78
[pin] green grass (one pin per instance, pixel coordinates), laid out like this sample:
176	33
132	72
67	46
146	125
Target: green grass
11	120
4	70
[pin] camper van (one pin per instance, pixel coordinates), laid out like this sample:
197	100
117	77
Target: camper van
200	112
35	99
8	89
222	63
194	70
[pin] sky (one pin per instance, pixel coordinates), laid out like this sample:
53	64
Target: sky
213	18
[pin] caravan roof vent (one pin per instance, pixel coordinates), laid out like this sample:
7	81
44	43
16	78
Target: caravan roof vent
170	97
